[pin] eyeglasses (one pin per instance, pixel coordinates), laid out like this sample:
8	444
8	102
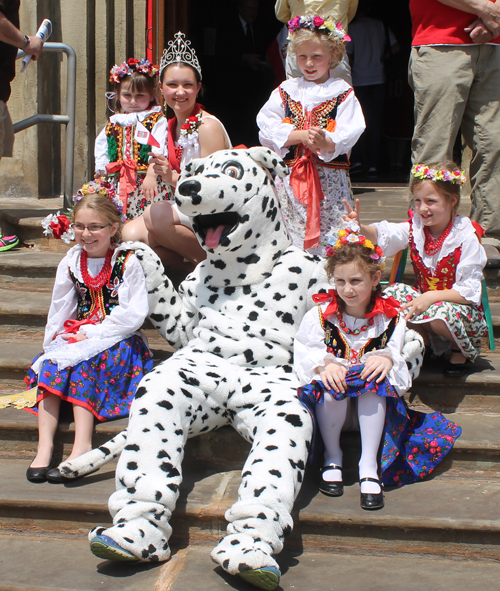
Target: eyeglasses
92	228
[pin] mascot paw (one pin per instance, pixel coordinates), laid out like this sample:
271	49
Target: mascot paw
413	352
237	553
104	547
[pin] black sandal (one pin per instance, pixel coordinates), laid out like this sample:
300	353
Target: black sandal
331	488
371	501
456	370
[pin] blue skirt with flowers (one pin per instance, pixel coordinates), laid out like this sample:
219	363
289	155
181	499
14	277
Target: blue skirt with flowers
413	443
105	384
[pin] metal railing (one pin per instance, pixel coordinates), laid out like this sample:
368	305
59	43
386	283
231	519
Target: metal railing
68	119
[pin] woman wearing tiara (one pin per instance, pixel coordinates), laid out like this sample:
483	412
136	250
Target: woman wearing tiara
191	133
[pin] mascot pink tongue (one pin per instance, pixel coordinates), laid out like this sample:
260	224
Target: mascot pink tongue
213	236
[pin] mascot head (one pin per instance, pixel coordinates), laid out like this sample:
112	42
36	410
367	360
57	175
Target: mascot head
231	200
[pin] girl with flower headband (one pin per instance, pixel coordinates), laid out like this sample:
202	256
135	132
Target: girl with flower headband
313	122
191	133
347	352
448	260
94	356
121	155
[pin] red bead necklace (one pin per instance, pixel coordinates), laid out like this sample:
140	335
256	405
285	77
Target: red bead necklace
433	245
96	283
355	331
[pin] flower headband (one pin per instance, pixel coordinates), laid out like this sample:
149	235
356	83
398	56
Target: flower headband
101	188
350	235
127	69
317	23
423	172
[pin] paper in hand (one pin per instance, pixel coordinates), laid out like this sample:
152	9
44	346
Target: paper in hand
43	33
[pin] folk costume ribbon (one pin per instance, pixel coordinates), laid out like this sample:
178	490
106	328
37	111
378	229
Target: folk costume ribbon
306	186
127	168
388	305
72	326
174	160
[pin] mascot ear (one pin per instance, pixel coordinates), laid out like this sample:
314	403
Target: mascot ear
269	160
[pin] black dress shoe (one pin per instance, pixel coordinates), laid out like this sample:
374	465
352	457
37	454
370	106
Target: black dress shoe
332	489
457	370
37	474
55	476
371	501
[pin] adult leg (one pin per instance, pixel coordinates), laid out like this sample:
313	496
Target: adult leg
371	414
280	428
441	78
171	404
6	132
481	129
48	417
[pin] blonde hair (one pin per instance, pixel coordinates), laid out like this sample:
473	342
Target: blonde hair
105	208
446	189
334	46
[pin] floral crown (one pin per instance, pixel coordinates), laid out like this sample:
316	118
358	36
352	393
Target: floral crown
350	235
101	188
179	51
132	65
423	172
326	26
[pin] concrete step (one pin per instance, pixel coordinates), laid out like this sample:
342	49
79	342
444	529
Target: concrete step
29	270
446	516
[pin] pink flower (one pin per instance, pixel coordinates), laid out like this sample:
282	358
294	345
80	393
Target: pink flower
58	380
102	366
318	21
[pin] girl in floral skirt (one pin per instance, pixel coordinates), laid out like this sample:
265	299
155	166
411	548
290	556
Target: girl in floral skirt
444	305
94	356
348	352
313	122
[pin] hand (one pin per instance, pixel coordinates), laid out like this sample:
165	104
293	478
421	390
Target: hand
352	214
317	140
333	376
253	61
161	167
76	337
376	365
34	47
491	18
149	188
479	32
419	305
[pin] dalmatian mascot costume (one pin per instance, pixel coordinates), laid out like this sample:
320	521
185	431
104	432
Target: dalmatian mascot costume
232	322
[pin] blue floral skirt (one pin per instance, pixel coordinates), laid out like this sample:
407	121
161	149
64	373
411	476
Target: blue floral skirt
413	443
105	384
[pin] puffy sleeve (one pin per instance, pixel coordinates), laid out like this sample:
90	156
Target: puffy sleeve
392	237
282	10
63	305
273	133
469	272
132	309
309	349
350	124
101	152
399	376
159	132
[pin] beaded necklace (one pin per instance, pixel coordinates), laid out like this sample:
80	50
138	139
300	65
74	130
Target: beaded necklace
433	245
355	331
96	283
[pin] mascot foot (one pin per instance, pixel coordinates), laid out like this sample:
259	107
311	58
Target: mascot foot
105	547
241	555
267	577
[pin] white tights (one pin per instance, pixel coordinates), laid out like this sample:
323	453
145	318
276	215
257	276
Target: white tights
335	416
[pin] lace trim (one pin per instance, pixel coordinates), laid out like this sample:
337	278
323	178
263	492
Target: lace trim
310	93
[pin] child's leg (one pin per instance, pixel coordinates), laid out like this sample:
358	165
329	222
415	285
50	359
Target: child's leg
331	417
48	417
84	425
371	413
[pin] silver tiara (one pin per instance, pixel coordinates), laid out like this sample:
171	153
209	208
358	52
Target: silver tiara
179	51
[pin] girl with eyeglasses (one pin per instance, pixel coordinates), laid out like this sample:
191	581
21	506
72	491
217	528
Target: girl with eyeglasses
94	357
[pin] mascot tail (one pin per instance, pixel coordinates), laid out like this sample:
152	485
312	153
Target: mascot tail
413	352
94	459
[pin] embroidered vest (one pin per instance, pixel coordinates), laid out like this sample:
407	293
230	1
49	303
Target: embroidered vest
104	300
337	345
444	274
116	136
317	117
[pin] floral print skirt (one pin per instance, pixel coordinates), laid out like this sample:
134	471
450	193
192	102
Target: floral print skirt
105	384
413	443
336	185
465	322
136	202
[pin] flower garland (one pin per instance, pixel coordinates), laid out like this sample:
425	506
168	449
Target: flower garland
317	23
127	68
58	226
101	188
350	235
424	173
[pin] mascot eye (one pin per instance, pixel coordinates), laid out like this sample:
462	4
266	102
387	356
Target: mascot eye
233	169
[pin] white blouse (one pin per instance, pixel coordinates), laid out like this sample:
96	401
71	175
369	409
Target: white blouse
124	119
124	320
310	353
469	272
350	121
